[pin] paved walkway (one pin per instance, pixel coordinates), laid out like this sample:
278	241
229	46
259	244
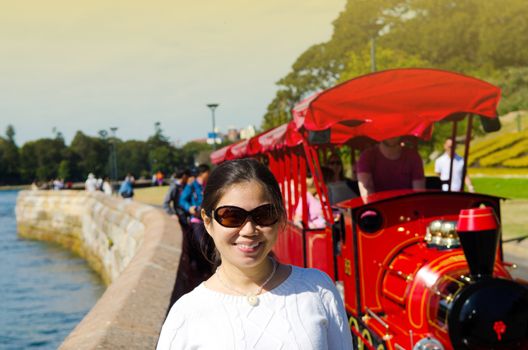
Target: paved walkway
517	252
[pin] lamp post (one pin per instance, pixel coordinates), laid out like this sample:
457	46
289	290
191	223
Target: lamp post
213	106
114	155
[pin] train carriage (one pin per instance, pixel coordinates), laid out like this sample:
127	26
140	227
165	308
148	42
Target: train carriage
417	269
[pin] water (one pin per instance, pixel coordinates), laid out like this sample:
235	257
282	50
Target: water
44	289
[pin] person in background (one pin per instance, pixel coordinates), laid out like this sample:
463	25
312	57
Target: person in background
58	184
91	183
107	186
315	210
126	190
316	219
159	178
442	165
253	301
171	202
336	165
192	194
190	201
389	166
35	185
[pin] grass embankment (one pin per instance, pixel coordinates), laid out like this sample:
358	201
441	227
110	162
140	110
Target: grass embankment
513	210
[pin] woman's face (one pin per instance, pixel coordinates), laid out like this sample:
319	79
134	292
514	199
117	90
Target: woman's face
248	245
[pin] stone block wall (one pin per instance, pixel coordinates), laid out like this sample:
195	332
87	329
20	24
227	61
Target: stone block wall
134	247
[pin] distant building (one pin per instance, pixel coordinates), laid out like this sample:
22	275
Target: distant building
233	134
248	132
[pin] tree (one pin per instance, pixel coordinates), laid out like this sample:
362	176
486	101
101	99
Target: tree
92	153
278	110
40	159
9	157
64	171
132	157
10	133
191	151
358	63
162	156
321	65
502	32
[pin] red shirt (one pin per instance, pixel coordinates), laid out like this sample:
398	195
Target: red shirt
388	174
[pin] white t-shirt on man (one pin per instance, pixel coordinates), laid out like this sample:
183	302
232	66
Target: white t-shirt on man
442	167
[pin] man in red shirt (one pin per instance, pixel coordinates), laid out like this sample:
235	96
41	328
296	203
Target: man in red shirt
389	166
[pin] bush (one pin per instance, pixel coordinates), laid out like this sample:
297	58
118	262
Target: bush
496	158
521	162
490	147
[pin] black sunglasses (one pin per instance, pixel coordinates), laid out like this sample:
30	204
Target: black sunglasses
231	216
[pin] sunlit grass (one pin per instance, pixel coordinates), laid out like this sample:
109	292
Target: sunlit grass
493	172
503	187
151	195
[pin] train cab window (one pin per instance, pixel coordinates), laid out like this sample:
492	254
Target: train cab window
370	220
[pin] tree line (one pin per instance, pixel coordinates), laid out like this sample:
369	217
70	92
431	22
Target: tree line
48	158
485	39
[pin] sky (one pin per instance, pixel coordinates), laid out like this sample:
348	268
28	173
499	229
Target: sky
91	65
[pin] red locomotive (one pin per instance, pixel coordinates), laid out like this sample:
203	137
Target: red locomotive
417	269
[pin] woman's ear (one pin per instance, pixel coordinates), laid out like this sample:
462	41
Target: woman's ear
206	219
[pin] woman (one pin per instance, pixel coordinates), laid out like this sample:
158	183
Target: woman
253	301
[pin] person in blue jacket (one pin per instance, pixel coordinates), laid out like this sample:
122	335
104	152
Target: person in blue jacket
126	190
192	195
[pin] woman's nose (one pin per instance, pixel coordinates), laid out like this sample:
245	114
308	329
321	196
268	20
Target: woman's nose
248	228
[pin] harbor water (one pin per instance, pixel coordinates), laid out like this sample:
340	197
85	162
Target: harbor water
44	289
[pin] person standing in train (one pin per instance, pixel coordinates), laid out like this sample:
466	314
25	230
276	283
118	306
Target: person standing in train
389	166
253	301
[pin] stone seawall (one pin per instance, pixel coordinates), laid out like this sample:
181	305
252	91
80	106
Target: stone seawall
134	247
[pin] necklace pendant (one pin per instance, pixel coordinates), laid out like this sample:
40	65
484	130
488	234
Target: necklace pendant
252	299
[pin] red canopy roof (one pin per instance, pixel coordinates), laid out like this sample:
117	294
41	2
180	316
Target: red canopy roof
395	103
219	155
285	135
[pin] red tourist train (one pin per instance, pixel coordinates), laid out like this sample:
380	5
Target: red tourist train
417	269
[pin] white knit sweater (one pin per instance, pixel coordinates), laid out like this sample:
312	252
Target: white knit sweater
304	312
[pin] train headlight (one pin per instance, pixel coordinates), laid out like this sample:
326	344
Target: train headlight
428	344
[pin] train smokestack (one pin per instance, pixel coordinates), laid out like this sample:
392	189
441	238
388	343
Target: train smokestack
479	236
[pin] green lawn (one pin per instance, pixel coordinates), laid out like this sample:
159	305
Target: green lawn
515	188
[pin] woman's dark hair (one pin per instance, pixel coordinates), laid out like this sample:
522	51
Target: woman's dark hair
237	171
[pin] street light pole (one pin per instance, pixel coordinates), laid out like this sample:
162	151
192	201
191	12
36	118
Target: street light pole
213	106
114	155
